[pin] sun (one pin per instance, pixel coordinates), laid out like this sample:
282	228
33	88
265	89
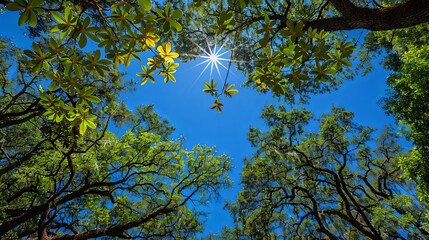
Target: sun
213	58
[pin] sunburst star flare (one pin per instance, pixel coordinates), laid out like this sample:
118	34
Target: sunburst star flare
213	58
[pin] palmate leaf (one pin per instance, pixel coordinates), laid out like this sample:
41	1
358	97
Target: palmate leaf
29	15
210	88
217	105
229	91
146	75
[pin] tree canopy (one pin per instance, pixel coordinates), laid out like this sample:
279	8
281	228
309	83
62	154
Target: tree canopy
65	175
325	184
294	48
59	184
407	99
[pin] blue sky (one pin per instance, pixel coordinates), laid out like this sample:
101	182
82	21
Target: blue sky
187	108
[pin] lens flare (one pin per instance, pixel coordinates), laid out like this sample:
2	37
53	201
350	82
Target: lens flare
213	58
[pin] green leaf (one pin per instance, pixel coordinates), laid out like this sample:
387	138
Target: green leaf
14	7
172	78
82	128
264	41
37	49
30	53
160	12
127	61
59	118
33	19
54	85
90	123
86	22
67	69
256	2
231	86
93	37
82	41
37	67
46	66
104	62
64	34
91	91
22	3
167	9
152	79
144	79
67	13
176	26
44	96
206	84
23	18
242	3
78	71
177	13
93	99
58	17
97	54
36	3
267	50
166	27
145	4
347	63
303	76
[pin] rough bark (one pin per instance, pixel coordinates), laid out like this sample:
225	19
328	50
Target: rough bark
406	14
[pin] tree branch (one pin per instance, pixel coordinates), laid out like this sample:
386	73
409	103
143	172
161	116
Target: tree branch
406	14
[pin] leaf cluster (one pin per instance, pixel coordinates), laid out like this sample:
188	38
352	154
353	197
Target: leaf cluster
121	29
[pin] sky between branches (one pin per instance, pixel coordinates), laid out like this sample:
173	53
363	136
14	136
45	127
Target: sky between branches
187	108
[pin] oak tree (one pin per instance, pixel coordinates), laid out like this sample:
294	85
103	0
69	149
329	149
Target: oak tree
56	183
334	183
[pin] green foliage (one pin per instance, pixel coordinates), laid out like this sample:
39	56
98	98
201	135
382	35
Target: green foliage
167	16
223	22
272	44
146	75
217	105
210	88
332	183
122	29
407	98
61	174
56	181
30	8
227	91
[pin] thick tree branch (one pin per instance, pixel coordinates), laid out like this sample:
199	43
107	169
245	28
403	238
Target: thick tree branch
36	112
114	231
406	14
